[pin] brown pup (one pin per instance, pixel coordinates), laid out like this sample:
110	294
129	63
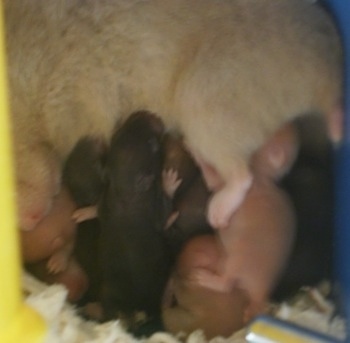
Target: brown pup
272	217
191	196
259	239
225	80
187	306
251	259
191	220
248	256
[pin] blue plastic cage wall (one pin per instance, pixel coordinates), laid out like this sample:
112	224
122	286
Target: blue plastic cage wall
341	12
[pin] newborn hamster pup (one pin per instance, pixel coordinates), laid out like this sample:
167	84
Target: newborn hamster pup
191	219
191	197
258	241
234	273
225	80
47	251
54	236
188	306
132	248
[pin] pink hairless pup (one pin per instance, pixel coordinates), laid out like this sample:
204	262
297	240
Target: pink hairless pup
47	250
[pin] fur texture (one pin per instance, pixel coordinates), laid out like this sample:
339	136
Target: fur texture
225	73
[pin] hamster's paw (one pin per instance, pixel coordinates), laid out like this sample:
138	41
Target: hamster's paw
171	219
58	262
226	201
207	279
84	213
171	181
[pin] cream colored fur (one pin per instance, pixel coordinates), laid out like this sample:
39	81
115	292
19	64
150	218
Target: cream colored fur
225	73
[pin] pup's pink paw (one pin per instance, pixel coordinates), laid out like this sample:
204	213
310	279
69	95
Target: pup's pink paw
84	213
207	279
171	181
226	201
58	262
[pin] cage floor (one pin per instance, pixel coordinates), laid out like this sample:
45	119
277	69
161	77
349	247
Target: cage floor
309	308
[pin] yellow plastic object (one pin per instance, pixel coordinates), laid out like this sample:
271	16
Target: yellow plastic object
266	329
18	322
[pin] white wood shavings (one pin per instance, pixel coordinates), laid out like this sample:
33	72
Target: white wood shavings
162	337
31	285
310	309
237	337
314	320
322	304
196	336
64	325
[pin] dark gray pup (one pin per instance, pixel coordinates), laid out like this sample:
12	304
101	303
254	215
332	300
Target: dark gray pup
131	212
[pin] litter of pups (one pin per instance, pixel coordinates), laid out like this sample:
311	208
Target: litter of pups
97	102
